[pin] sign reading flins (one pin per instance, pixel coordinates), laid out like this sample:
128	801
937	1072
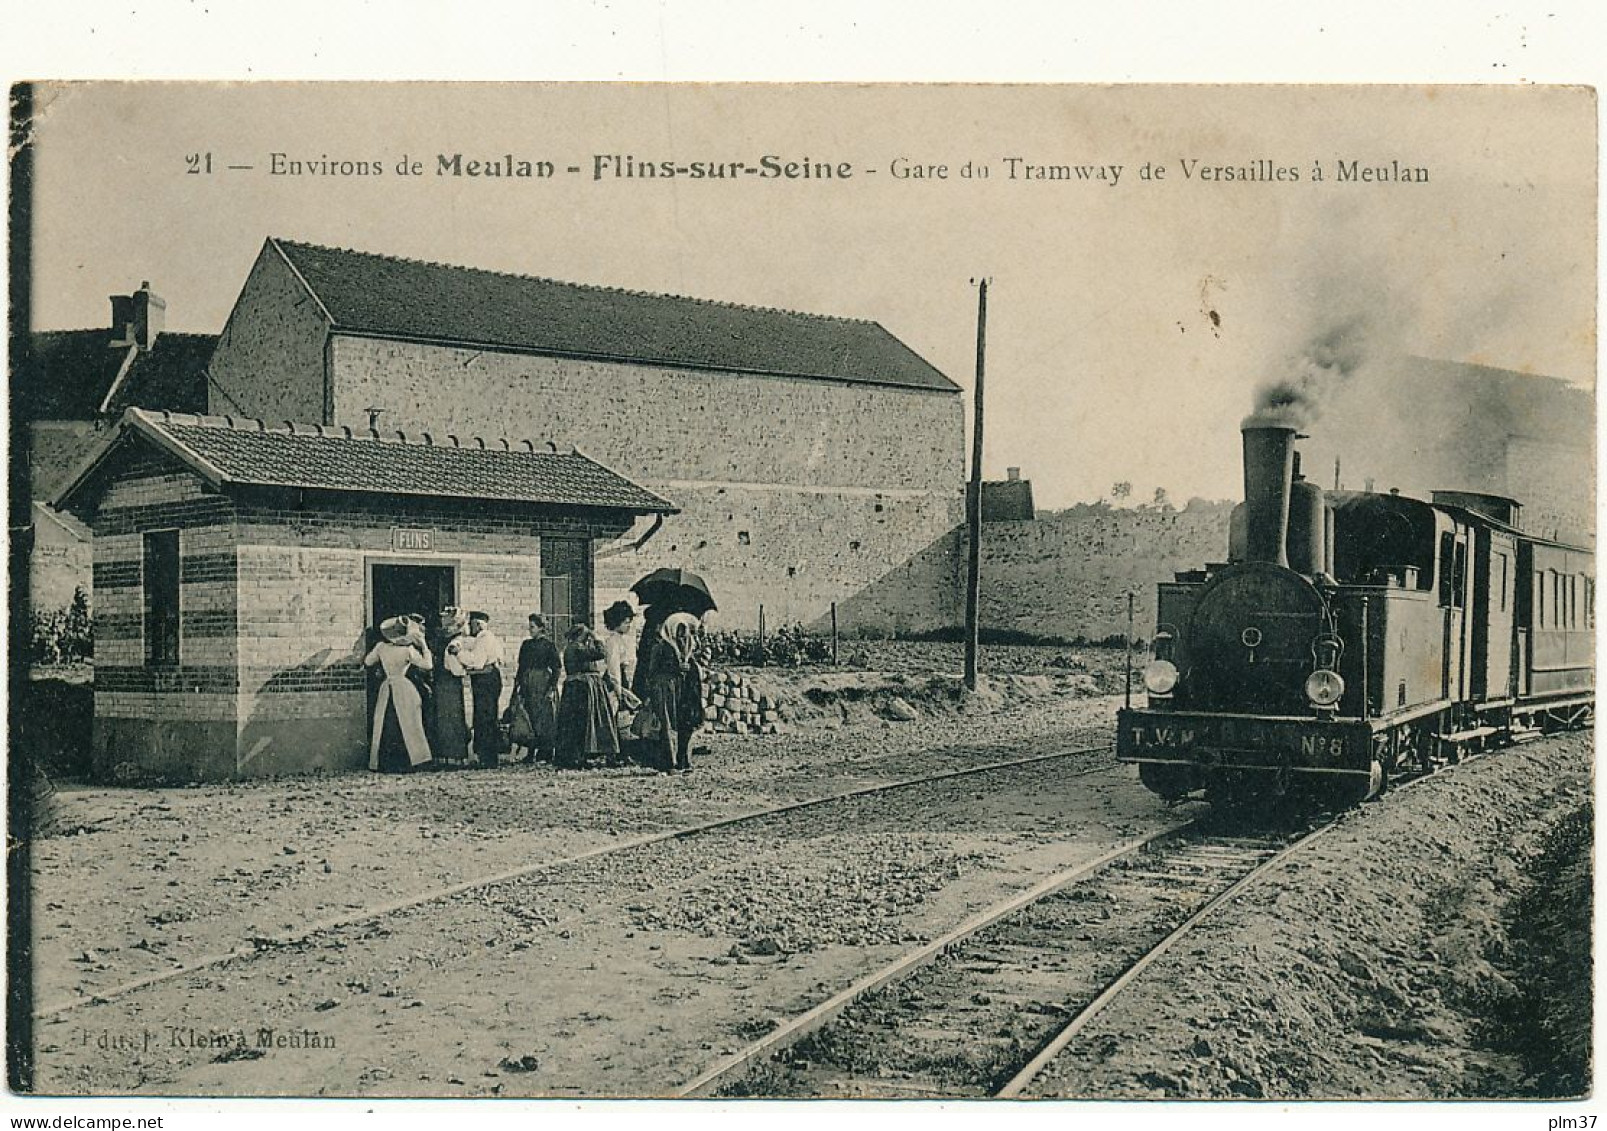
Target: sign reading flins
415	541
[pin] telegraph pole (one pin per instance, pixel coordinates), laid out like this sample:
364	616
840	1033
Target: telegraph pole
973	572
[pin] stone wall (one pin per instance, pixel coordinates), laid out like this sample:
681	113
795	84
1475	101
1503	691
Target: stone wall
661	425
1068	573
795	551
269	360
60	562
794	493
1065	574
1557	485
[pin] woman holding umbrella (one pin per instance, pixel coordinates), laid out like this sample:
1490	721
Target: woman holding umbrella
675	691
665	592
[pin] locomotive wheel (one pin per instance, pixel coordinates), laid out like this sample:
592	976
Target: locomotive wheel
1349	790
1169	782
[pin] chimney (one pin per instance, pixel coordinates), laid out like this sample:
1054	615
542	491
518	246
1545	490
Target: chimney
138	318
1013	474
1269	445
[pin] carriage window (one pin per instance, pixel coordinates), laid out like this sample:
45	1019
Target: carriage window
1447	555
1556	600
1459	575
1503	560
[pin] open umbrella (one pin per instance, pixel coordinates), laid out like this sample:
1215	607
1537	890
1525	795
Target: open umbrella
676	591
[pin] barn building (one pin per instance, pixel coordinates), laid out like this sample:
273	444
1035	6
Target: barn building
240	567
811	456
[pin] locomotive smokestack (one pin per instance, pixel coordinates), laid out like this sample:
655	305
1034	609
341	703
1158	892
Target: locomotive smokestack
1269	449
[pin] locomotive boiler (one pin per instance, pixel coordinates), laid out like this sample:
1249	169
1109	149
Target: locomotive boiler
1352	637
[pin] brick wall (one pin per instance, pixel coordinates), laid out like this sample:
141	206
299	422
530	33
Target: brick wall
177	721
273	600
303	609
269	360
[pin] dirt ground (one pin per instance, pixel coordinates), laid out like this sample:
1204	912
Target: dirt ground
131	882
1430	947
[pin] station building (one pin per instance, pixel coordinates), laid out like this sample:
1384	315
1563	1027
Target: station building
239	568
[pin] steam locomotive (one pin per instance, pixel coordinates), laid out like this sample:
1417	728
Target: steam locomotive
1353	637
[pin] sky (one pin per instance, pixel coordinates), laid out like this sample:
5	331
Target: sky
1131	320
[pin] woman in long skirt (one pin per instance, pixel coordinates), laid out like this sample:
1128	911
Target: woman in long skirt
675	692
453	707
586	726
536	686
398	742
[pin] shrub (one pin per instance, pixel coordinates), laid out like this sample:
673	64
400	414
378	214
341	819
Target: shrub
62	636
789	646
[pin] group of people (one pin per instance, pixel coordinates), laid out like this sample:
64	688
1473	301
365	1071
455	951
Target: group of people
438	699
594	700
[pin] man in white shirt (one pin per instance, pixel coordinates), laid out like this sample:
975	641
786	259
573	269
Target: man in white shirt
482	659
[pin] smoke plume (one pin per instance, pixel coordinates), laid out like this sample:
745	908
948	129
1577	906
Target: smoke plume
1309	378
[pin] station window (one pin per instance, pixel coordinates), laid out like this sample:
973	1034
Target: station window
161	577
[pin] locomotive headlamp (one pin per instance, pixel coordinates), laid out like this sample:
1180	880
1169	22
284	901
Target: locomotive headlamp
1324	687
1160	677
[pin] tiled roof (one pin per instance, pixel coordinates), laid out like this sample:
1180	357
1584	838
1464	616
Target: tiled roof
68	374
172	375
231	451
406	298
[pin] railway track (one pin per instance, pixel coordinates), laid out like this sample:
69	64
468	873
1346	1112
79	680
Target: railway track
247	950
984	1009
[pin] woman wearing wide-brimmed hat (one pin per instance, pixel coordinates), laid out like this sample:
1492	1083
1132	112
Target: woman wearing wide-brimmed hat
453	704
398	742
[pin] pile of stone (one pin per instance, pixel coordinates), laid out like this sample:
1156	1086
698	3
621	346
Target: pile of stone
732	705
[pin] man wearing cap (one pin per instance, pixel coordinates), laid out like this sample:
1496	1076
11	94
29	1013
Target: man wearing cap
482	659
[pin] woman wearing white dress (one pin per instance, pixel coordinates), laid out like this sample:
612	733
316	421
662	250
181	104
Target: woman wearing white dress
398	742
